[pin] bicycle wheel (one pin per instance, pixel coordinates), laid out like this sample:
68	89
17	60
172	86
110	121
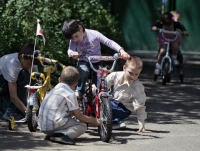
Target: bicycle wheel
105	129
166	75
33	113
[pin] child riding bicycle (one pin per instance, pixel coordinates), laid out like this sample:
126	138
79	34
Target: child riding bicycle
166	22
86	42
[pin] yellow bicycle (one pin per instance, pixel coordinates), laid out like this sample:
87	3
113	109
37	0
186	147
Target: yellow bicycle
37	92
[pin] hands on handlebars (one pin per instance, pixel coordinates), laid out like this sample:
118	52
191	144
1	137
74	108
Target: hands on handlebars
124	55
154	28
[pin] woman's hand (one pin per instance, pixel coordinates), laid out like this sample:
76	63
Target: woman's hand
142	130
98	122
154	28
74	55
124	54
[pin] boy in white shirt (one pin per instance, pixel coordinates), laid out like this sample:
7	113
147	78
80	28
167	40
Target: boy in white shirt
14	76
128	90
58	108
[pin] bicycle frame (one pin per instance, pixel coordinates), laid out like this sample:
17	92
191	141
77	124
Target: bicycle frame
167	55
102	74
42	85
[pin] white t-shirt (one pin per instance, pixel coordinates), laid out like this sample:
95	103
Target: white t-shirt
10	67
56	107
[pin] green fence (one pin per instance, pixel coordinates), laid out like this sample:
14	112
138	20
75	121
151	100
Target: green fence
136	17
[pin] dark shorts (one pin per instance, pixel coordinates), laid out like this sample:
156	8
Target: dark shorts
22	81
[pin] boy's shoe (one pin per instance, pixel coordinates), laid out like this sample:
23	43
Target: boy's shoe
175	61
63	139
119	125
157	69
8	114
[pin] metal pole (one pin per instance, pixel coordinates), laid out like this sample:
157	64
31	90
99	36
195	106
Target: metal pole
163	7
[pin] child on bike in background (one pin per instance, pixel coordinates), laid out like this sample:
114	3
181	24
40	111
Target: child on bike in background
166	22
14	75
86	42
128	90
58	108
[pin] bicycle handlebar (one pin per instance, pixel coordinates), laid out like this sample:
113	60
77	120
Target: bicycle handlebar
113	58
163	31
46	60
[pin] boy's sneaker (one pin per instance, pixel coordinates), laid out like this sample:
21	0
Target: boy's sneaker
119	125
63	139
175	61
157	69
8	114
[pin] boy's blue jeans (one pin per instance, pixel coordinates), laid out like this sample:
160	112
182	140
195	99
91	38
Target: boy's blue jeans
5	101
84	71
119	111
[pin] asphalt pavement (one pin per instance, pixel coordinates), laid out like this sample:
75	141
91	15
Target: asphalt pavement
173	117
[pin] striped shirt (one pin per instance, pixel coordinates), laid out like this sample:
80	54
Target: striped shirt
132	95
56	107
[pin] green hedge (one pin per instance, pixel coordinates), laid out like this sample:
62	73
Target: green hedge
18	23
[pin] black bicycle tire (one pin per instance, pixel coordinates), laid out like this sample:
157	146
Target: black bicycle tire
31	125
166	75
106	108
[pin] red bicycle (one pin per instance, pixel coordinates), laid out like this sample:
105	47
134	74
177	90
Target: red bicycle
97	102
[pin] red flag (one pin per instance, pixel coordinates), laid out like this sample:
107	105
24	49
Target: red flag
39	31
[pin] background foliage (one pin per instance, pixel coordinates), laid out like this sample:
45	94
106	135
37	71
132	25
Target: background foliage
18	23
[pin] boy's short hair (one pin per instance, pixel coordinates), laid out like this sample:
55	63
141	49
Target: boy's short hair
69	75
70	27
28	49
167	18
134	61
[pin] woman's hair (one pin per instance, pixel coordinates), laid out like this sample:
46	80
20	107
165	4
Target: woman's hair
69	75
176	15
134	61
167	19
28	49
70	27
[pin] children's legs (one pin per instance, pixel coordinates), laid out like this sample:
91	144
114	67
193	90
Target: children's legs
161	53
97	80
72	129
175	48
160	56
84	71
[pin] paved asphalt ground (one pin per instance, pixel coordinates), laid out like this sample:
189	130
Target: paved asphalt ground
173	117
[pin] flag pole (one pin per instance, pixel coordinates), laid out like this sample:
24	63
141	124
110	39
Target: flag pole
33	55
